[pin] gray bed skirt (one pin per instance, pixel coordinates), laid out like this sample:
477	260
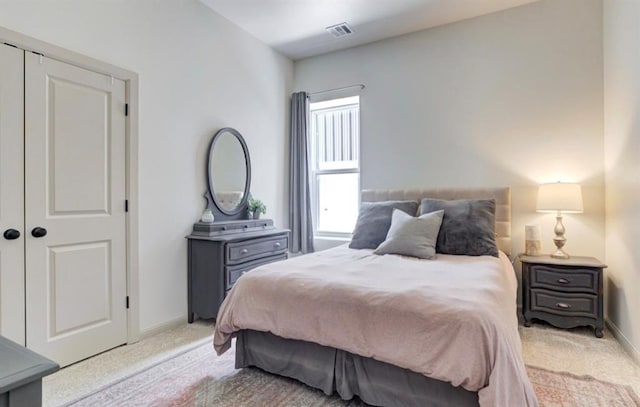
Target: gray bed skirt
336	371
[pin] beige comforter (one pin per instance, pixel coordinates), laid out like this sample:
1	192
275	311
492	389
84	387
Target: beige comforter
451	319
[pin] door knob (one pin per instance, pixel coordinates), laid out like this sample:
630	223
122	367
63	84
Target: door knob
11	234
38	232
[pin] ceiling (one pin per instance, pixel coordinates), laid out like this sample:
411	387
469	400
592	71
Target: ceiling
297	27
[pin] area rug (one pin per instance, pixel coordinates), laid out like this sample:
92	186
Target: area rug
200	378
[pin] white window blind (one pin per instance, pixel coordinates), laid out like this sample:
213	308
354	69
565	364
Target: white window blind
338	129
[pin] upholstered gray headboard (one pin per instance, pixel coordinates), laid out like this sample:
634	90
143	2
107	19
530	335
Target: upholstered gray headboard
501	195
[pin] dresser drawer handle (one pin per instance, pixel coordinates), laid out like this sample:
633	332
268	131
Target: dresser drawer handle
244	251
563	281
563	305
277	245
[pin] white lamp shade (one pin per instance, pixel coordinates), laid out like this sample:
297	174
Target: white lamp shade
559	197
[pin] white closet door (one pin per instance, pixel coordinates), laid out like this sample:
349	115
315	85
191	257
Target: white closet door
75	190
11	193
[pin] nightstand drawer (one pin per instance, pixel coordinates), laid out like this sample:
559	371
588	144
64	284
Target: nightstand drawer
555	278
584	305
254	249
233	273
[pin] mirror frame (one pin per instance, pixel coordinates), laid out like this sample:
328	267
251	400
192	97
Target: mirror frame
247	186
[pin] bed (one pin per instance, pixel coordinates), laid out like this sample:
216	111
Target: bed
393	330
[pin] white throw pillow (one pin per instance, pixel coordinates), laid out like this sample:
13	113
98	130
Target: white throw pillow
411	236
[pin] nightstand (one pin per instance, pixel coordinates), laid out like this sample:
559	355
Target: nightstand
563	292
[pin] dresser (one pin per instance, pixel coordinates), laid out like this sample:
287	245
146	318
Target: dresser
563	292
21	373
220	253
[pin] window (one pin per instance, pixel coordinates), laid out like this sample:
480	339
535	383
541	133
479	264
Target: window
335	166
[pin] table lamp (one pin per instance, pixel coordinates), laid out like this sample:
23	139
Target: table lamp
559	197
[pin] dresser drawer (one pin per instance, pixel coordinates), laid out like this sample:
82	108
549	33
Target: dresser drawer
233	273
584	305
240	252
555	278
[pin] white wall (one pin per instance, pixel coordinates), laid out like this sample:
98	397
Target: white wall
198	73
622	169
513	99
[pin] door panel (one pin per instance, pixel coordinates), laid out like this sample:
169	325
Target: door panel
12	311
85	265
75	189
79	123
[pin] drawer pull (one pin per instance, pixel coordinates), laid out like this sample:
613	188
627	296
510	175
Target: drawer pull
277	245
244	251
563	305
563	281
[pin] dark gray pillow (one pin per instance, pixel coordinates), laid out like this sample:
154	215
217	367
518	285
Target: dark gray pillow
411	236
374	220
468	226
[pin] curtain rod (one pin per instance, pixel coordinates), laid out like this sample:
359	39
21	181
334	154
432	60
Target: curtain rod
359	85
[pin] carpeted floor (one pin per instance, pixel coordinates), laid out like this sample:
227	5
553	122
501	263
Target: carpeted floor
200	378
576	351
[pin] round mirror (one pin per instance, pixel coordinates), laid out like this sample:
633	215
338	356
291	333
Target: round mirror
229	171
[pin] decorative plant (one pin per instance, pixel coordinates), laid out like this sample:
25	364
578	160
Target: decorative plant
256	206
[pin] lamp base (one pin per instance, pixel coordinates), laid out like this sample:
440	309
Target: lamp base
560	254
559	240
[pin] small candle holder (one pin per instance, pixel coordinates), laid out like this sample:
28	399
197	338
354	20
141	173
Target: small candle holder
207	216
532	246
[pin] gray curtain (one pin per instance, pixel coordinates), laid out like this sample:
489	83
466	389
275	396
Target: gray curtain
300	221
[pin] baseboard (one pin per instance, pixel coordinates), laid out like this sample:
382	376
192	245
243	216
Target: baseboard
164	326
626	344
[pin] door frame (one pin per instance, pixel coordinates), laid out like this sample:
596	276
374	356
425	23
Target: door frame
130	78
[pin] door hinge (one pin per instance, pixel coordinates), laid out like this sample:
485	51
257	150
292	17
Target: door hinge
127	302
40	56
126	205
126	109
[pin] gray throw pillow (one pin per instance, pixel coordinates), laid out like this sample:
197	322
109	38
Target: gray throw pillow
374	220
411	236
468	226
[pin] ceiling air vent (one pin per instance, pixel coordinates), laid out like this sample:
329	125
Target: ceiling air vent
340	30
